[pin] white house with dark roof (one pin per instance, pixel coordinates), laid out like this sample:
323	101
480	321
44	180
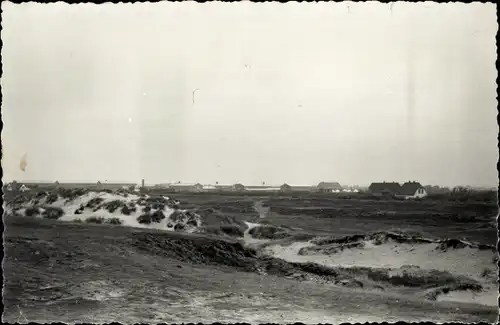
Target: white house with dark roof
412	190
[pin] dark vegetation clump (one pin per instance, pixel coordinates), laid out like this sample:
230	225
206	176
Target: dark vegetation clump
144	218
71	193
451	243
128	209
427	279
157	216
177	216
41	194
335	240
329	249
179	227
158	205
94	203
230	230
114	221
96	220
268	232
80	209
146	209
192	222
32	211
52	213
51	198
197	250
233	230
316	269
112	206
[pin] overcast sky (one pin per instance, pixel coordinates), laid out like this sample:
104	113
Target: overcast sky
296	92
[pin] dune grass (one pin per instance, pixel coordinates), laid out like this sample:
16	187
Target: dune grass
52	212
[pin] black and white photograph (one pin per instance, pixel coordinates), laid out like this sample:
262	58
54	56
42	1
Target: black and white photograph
271	162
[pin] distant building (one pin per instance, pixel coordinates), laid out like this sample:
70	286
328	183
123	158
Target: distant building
412	190
179	187
263	188
328	187
112	186
285	188
296	188
88	186
209	188
224	188
385	188
238	187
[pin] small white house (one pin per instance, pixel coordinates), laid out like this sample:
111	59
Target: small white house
23	188
209	187
412	190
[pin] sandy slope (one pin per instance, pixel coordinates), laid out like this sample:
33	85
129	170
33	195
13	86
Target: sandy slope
467	261
70	207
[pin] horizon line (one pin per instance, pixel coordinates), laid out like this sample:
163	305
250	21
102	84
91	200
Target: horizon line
221	184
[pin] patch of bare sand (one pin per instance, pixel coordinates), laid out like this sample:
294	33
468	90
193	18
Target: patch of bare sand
467	261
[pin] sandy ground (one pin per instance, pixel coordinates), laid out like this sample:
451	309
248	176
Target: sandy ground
467	261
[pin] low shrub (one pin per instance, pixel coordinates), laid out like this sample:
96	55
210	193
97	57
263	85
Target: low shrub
230	230
424	279
144	218
268	232
112	206
53	213
128	209
31	211
71	193
179	227
114	221
177	216
97	220
94	203
51	198
157	216
158	206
